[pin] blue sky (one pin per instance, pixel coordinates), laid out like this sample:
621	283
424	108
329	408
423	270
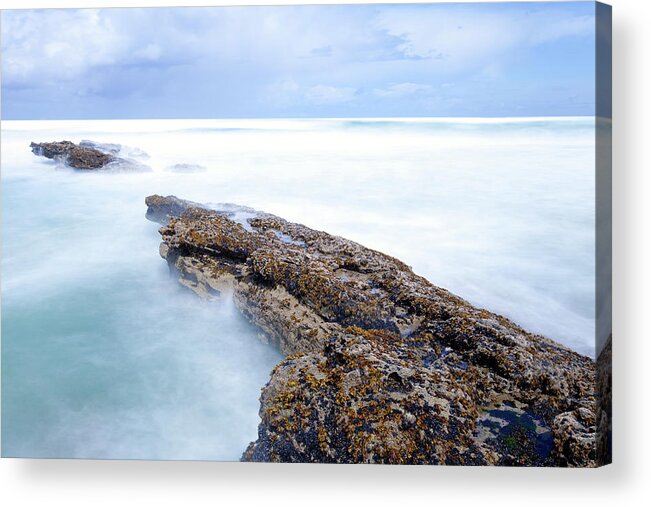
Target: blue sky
499	59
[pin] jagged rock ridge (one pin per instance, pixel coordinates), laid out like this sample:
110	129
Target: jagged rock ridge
382	366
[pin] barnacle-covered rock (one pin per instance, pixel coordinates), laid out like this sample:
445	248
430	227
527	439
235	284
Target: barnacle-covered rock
382	366
88	155
73	155
361	400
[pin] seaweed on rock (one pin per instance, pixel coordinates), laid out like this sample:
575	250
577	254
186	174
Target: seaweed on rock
382	366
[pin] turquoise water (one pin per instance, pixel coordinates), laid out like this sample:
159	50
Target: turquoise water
104	355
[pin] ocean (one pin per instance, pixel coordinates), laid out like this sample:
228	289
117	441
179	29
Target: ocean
104	355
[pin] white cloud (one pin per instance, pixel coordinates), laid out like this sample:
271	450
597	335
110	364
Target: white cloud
271	59
287	92
323	94
403	90
57	44
150	52
464	37
64	44
280	93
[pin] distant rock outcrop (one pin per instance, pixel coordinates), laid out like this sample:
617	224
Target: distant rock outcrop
382	366
88	155
73	155
186	168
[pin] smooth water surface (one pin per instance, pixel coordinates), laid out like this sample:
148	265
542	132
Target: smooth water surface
105	356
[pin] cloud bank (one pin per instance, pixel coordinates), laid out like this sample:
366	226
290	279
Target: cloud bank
300	61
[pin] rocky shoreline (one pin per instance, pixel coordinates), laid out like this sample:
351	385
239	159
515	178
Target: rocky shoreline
382	366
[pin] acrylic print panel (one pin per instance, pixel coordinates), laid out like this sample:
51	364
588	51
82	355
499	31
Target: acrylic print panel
338	234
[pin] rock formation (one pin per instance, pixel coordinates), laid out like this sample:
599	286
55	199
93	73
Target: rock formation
186	168
87	155
382	366
73	155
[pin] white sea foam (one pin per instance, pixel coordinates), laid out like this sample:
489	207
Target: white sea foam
106	357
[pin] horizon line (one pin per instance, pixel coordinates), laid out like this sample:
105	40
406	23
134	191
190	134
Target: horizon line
332	118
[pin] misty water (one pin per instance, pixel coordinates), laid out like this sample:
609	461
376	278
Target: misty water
104	354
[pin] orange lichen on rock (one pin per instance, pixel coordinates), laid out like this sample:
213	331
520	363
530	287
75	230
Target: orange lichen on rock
382	366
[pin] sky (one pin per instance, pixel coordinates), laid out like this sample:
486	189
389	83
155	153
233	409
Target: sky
418	60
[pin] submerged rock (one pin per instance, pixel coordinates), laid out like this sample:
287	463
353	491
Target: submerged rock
186	168
126	152
88	155
382	366
110	148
